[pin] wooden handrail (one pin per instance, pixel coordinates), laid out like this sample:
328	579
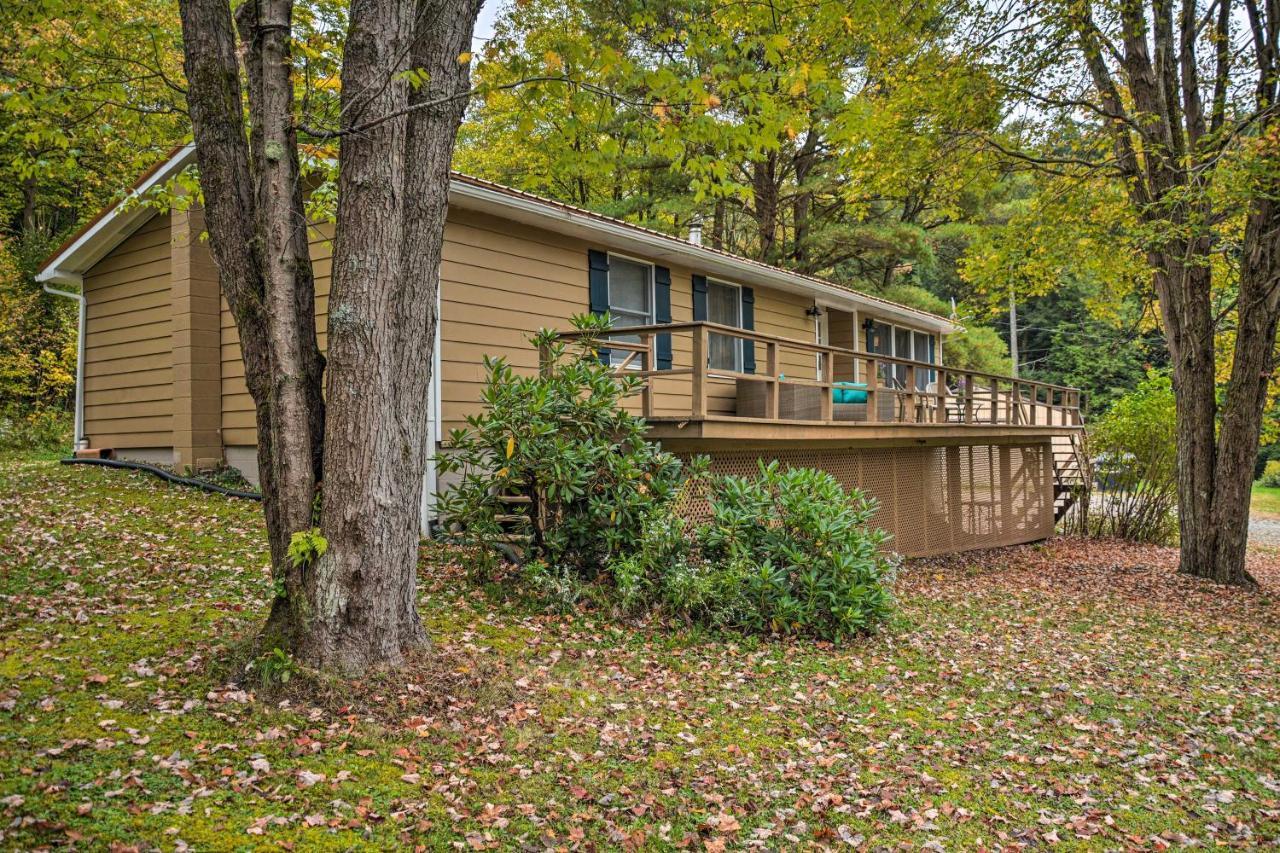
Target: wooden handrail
977	398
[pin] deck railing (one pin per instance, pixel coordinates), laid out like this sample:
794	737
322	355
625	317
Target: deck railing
897	390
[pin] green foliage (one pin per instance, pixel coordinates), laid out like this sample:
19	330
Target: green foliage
43	430
787	551
824	136
1134	449
790	551
37	335
274	668
563	441
1266	454
1271	474
307	546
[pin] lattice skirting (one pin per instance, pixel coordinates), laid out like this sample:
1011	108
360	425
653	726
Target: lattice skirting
934	500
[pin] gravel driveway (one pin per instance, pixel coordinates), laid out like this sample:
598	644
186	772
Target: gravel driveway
1264	530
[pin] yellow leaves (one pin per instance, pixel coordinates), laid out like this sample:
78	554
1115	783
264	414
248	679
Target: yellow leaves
662	111
464	57
553	60
711	101
790	131
511	446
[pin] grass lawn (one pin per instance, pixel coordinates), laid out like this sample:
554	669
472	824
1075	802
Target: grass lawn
1075	693
1266	501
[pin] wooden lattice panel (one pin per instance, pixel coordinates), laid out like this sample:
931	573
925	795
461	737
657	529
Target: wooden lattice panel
933	500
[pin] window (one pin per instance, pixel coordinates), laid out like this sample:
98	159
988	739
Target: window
724	306
922	350
630	300
880	341
886	339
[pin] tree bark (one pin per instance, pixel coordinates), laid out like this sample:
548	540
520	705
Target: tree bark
393	193
297	403
355	606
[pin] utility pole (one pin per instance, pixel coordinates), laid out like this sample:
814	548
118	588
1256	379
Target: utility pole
1013	333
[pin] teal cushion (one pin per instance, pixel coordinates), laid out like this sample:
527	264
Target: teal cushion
846	393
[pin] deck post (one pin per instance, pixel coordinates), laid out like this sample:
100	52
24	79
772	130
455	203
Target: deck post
827	410
968	398
646	394
772	391
873	392
912	400
699	372
940	405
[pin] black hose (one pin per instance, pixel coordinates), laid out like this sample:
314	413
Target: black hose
165	475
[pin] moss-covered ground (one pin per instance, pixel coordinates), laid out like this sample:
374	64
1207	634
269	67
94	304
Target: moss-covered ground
1075	694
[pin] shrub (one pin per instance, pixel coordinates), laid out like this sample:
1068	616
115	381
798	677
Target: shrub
790	551
563	442
45	430
787	551
1271	474
1135	454
1266	453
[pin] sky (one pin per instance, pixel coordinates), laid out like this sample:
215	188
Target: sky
484	24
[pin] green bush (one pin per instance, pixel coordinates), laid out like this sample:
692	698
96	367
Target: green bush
1135	457
787	551
1266	453
44	430
792	552
1271	474
561	441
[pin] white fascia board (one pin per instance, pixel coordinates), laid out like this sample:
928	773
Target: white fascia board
113	228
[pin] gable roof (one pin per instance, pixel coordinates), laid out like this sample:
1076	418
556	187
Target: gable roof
115	223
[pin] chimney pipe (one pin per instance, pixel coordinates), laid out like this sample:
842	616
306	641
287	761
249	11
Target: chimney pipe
695	229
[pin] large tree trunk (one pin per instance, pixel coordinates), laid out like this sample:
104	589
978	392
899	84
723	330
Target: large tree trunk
355	606
214	101
392	199
1253	363
297	405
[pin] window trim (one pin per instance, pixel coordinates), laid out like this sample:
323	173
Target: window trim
738	360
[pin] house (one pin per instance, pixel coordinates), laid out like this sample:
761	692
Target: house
743	360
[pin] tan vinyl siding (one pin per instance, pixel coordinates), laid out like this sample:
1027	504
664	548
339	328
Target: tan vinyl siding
128	389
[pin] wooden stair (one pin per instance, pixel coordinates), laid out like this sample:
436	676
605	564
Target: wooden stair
1070	473
516	523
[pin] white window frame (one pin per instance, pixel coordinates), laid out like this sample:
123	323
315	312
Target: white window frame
738	342
618	356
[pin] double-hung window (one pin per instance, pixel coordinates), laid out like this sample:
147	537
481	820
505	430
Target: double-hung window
630	300
724	306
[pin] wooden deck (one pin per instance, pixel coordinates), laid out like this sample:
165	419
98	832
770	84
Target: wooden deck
789	397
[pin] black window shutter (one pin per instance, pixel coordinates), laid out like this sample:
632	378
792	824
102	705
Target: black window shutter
598	281
662	313
749	324
699	298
